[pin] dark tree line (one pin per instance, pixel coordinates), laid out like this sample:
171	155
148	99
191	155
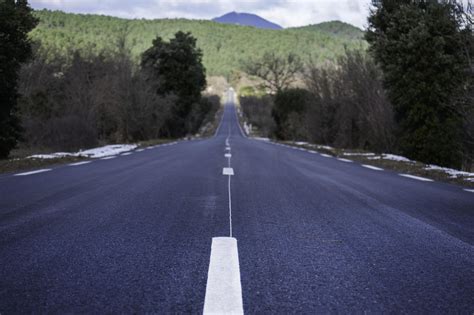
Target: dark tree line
15	23
98	99
341	104
54	101
424	49
412	94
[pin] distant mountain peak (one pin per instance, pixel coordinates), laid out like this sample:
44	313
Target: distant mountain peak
247	19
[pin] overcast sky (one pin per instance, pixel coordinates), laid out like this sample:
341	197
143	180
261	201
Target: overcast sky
287	13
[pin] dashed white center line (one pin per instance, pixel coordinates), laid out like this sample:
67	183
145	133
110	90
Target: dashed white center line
372	167
227	171
228	155
345	160
80	163
223	289
416	177
227	148
33	172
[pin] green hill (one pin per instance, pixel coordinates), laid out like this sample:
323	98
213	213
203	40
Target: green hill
224	46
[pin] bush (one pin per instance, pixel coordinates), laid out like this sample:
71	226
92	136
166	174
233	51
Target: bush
289	112
258	112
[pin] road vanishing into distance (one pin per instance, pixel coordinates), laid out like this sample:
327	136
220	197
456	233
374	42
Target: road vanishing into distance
170	230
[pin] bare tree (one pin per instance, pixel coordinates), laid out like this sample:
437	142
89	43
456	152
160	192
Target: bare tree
276	72
350	107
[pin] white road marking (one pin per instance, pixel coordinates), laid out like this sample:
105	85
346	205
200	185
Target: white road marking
469	190
228	155
125	154
140	150
326	155
227	148
345	160
80	163
372	167
108	158
33	172
223	289
416	177
149	148
228	171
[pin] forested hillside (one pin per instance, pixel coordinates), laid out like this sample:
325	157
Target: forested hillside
224	46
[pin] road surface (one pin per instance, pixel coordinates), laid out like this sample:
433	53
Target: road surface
314	234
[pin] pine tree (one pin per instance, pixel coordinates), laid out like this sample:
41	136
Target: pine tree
419	45
177	68
16	22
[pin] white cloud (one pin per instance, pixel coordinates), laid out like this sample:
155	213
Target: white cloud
287	13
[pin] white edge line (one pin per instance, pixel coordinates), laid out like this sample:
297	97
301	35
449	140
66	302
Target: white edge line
469	190
33	172
417	177
345	160
126	153
223	288
372	167
326	155
108	158
80	163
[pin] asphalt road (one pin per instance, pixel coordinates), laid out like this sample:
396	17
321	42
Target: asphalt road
315	234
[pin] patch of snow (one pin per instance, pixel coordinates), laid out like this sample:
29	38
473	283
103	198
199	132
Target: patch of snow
261	139
300	143
451	172
108	150
50	156
358	154
392	157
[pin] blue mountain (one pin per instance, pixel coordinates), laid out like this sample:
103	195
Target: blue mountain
247	19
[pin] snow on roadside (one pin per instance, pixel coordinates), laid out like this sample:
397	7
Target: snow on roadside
358	154
318	146
261	138
451	172
108	150
392	157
